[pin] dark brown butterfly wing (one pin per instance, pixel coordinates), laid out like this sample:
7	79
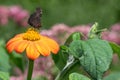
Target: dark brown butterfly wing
35	18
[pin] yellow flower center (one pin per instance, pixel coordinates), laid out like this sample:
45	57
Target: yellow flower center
32	34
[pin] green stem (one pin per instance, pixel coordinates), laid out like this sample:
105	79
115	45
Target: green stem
30	69
71	62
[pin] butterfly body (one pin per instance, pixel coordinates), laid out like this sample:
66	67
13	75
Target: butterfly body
35	18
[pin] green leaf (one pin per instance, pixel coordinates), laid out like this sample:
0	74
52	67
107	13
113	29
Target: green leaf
60	59
95	55
115	48
75	67
70	67
4	76
75	49
76	76
72	37
96	58
4	58
17	60
113	76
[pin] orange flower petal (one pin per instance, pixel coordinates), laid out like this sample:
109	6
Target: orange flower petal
12	45
13	40
32	52
21	46
17	37
42	48
20	35
54	47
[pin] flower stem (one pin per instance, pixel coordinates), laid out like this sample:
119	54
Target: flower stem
30	69
70	62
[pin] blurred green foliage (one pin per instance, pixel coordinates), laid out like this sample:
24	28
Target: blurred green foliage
4	58
70	12
113	76
4	75
40	78
73	12
10	30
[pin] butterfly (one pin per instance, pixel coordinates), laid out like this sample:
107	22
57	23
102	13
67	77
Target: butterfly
35	18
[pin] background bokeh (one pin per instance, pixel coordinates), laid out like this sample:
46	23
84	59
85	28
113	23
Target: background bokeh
60	18
70	12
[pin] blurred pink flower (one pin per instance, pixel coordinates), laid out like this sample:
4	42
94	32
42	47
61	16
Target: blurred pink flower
113	34
17	78
47	33
21	18
19	15
81	28
60	32
115	27
59	28
16	13
3	15
14	10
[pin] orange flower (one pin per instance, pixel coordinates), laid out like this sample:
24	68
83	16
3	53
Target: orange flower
34	44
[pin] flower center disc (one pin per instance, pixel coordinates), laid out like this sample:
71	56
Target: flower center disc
32	34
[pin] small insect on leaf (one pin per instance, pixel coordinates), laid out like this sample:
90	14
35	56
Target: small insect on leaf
35	18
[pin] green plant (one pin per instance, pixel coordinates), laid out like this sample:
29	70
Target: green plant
91	57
